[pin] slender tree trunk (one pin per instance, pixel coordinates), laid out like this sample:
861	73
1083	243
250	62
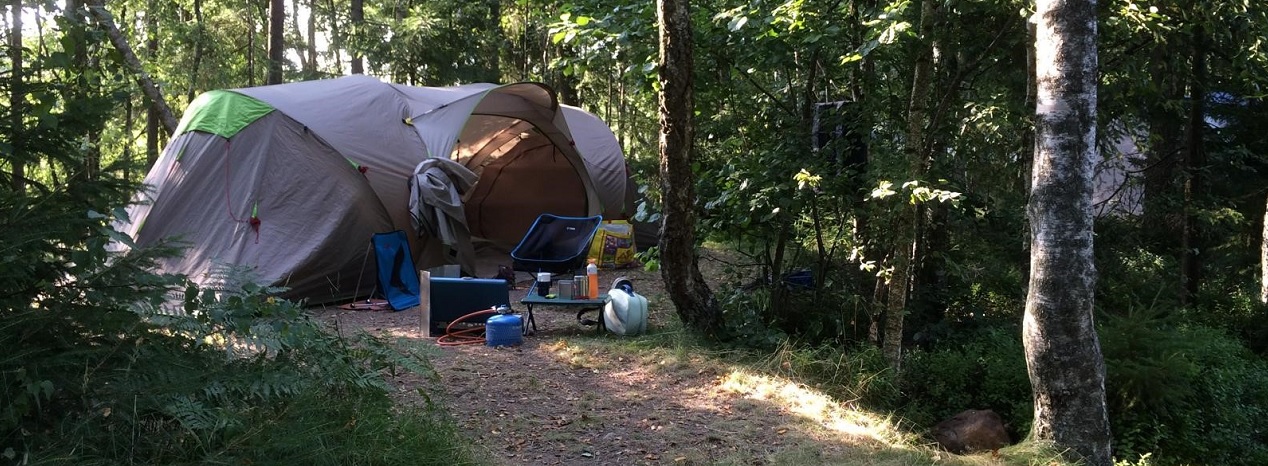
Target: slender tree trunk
500	42
679	267
312	39
1159	222
151	90
152	117
250	49
92	153
200	37
911	222
358	22
300	45
17	100
277	30
1063	354
337	39
1263	260
1191	244
128	124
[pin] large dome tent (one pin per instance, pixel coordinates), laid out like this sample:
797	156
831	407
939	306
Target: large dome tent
292	180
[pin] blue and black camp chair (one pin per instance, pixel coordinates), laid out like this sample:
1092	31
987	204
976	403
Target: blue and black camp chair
398	280
555	244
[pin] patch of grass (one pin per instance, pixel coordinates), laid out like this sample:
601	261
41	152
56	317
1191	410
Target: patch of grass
828	389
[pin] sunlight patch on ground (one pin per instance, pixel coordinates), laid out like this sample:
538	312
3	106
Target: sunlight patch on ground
817	407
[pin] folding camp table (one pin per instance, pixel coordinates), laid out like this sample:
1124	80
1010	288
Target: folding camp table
533	299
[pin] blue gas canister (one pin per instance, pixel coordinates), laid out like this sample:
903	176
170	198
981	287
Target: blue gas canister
503	329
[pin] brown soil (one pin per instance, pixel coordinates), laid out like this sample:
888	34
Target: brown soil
574	395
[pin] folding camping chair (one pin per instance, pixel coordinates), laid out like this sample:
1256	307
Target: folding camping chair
555	244
398	281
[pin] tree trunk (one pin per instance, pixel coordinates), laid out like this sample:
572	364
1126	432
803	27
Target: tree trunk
152	143
911	221
148	87
1191	245
200	37
1063	354
358	21
250	48
301	47
1162	153
312	39
277	29
92	155
128	139
1263	260
17	100
686	287
337	39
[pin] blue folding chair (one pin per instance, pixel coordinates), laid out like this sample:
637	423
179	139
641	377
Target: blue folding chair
555	244
398	280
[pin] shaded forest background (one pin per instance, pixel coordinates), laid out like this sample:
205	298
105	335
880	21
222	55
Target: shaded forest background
880	148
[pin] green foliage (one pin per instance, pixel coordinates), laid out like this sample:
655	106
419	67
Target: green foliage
983	370
1187	394
100	369
234	376
859	374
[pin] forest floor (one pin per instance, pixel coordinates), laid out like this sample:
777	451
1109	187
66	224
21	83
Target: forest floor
571	395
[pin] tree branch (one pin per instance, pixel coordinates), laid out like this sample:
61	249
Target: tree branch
143	79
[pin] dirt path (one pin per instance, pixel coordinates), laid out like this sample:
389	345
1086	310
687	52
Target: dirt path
571	395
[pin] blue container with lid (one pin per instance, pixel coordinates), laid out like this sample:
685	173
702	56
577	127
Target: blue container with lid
503	330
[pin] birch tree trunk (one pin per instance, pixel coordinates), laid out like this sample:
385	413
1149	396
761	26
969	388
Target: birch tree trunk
1263	260
1063	354
686	287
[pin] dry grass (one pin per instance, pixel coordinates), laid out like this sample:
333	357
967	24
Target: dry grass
571	395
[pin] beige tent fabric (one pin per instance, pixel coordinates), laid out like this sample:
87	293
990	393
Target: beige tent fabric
208	187
317	212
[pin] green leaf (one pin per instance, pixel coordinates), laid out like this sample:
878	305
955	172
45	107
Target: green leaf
583	20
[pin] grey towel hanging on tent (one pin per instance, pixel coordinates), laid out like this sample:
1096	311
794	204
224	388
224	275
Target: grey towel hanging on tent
435	206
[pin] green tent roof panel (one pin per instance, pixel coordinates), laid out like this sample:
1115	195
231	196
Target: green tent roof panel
223	113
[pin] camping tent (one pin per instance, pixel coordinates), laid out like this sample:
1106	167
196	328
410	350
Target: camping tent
292	180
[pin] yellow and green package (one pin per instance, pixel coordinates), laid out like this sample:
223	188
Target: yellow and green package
613	245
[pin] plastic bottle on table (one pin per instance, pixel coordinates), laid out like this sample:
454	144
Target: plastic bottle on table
592	280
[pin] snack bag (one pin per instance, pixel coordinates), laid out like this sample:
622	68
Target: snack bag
613	245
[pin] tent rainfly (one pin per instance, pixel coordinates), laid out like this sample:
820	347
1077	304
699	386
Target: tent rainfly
291	181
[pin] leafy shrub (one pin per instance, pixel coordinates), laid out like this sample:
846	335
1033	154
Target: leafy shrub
986	370
98	371
1187	394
